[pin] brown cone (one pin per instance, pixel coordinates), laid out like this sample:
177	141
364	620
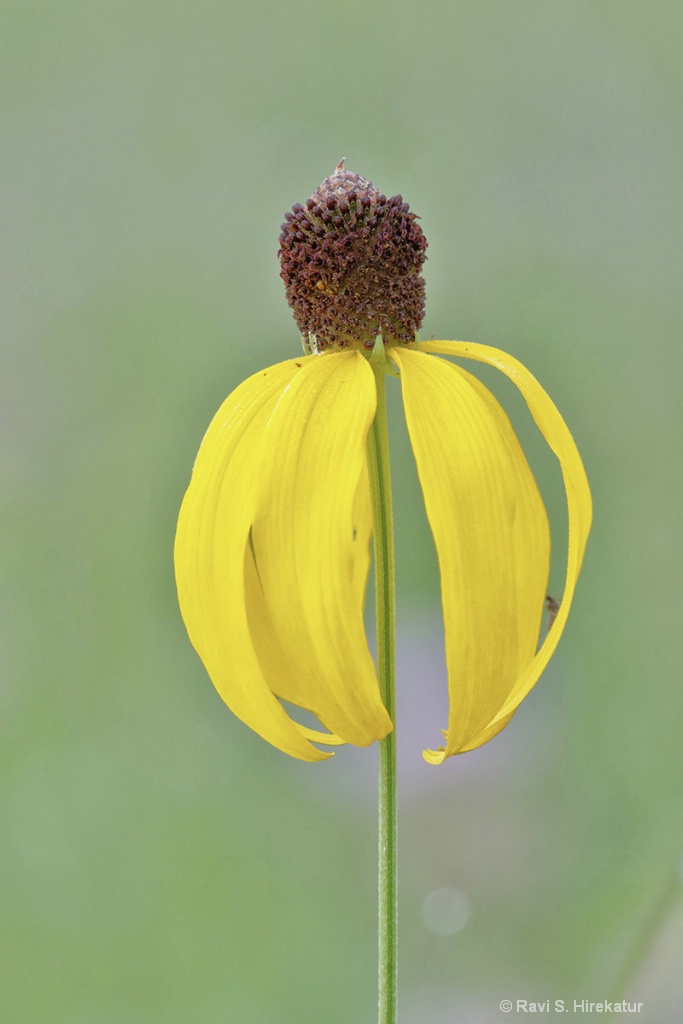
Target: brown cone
351	261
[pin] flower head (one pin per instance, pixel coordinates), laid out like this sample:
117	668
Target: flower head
273	543
351	262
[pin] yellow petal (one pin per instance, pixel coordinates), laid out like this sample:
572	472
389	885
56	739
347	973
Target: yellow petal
211	557
491	535
310	538
579	505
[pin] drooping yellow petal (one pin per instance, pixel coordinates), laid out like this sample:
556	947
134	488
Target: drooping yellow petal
211	551
310	539
491	535
579	505
278	669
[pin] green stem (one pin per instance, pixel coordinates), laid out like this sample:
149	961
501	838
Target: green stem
383	527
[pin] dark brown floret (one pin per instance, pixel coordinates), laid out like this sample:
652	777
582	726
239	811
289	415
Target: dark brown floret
351	260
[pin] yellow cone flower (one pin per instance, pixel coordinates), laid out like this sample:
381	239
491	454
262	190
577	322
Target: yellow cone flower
273	543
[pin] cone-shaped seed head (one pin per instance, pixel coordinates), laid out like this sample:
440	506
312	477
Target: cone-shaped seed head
351	261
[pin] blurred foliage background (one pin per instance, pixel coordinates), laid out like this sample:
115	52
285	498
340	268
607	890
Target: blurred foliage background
158	862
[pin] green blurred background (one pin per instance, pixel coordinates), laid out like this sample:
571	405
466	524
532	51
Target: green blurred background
159	863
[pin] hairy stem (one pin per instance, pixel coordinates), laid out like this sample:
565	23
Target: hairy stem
383	527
